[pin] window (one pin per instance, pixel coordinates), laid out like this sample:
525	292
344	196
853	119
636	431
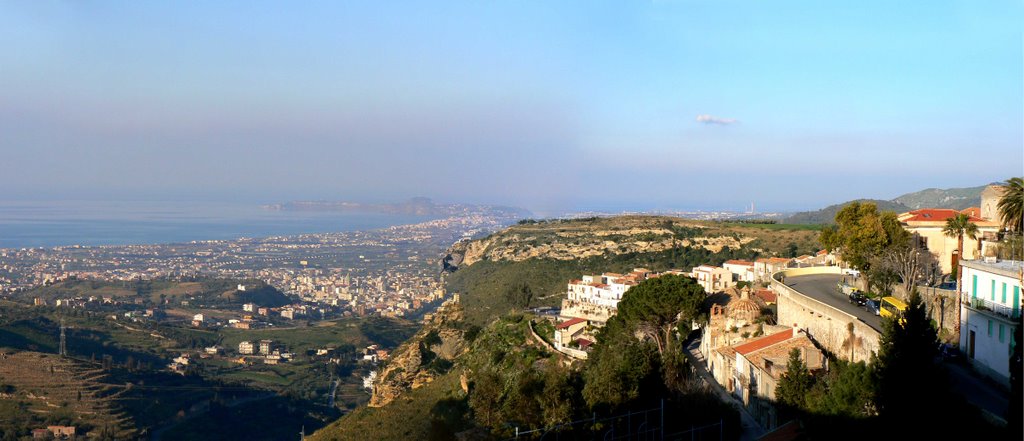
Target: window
990	328
993	290
1001	332
1004	293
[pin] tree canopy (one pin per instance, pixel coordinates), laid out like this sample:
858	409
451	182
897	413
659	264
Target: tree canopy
655	306
905	369
1011	205
793	387
861	233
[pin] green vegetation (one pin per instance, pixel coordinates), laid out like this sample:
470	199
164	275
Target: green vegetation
210	293
483	285
903	388
1011	205
828	214
514	381
861	233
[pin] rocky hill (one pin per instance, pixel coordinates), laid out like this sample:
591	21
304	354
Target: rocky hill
827	215
956	198
423	357
546	255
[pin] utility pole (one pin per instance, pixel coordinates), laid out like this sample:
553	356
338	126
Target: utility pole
63	340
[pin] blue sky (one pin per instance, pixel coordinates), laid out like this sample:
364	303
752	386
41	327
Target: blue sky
547	105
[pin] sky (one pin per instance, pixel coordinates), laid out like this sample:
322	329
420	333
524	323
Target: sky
547	105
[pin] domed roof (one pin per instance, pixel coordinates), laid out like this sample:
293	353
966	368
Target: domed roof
744	306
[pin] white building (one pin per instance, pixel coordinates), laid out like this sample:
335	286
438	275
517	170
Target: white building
712	278
198	318
249	307
596	298
246	347
742	270
989	310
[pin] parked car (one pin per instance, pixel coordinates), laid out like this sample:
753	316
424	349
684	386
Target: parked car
948	351
857	298
873	306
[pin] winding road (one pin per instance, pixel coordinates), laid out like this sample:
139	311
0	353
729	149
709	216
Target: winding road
823	288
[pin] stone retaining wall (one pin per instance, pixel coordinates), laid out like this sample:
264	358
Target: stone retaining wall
840	333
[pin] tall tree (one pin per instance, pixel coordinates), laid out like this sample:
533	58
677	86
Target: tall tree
655	306
795	384
1011	205
905	368
861	233
959	226
912	264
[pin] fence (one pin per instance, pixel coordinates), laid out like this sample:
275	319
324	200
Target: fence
634	425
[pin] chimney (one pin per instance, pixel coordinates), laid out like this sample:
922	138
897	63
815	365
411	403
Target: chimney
796	330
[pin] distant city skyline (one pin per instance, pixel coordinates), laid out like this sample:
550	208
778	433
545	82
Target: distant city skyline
548	106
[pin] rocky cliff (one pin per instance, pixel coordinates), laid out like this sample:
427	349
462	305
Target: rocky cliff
578	239
424	357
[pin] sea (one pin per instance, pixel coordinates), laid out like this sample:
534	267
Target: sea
89	223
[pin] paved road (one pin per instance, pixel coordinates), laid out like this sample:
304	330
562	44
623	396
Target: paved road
823	288
751	430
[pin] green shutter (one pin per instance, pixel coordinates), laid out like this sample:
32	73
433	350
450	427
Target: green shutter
1001	331
974	286
1016	300
993	290
1004	294
990	328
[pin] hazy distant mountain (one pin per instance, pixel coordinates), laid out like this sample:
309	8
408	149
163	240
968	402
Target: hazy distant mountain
827	215
958	198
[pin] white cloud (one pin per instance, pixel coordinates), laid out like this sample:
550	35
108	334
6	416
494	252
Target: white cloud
708	119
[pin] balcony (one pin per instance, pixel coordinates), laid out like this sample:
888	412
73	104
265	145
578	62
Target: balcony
981	304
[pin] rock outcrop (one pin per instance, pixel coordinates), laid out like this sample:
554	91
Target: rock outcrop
423	357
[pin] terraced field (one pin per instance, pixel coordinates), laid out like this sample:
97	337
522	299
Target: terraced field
38	389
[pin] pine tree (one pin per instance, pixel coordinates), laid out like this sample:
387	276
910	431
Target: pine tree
906	371
795	384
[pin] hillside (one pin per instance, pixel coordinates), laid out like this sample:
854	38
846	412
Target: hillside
547	255
477	366
827	215
38	389
211	292
956	198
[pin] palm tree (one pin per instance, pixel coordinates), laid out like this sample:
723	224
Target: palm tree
1011	205
958	226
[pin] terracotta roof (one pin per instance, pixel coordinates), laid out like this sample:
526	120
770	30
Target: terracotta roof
767	295
584	343
822	252
764	342
569	323
779	259
739	262
972	211
933	215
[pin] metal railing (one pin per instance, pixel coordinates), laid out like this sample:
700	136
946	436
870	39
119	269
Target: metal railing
982	304
635	425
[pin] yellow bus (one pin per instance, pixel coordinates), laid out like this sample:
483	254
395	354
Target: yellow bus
892	307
